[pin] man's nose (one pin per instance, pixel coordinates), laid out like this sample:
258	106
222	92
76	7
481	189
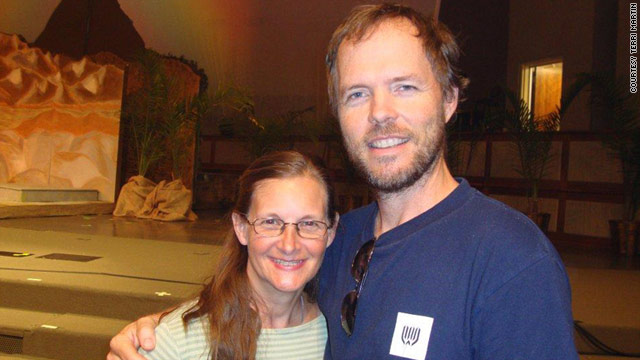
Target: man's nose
382	108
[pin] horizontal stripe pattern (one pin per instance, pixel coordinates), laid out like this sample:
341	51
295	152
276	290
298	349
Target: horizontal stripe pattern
303	342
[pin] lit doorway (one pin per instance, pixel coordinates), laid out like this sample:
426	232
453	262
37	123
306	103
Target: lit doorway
542	87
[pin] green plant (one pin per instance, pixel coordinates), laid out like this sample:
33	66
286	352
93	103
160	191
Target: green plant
145	110
457	136
532	137
470	127
179	130
621	112
162	122
231	104
279	132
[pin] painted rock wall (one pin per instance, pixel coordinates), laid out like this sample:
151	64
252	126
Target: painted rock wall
59	119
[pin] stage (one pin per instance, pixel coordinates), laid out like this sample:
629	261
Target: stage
68	283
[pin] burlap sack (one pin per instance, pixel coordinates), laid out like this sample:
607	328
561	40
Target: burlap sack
169	201
133	195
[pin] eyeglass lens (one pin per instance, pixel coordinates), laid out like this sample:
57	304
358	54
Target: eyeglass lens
275	227
360	263
359	269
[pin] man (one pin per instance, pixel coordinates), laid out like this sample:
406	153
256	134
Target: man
433	269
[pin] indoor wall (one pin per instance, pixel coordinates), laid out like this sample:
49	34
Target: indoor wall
273	48
544	30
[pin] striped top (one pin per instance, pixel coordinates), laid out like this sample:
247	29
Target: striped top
302	342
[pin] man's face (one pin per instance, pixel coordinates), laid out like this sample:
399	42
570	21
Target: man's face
391	108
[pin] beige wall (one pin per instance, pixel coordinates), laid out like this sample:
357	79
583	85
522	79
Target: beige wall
275	48
564	29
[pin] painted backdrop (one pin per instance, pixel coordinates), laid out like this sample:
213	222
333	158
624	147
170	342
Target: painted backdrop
59	119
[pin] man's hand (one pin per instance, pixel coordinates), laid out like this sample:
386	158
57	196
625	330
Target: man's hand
141	333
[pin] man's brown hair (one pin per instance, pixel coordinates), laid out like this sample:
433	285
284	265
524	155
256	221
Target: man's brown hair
439	44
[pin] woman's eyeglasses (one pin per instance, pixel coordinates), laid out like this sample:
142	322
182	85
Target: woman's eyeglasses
359	269
270	227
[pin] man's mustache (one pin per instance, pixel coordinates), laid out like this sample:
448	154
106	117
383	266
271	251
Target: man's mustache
386	130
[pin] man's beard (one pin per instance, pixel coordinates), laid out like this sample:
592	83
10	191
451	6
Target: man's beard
421	165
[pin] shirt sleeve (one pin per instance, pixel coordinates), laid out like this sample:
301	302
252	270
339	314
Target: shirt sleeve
166	347
527	317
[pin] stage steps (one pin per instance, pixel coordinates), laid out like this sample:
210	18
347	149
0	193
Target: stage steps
64	293
68	336
94	287
26	194
84	319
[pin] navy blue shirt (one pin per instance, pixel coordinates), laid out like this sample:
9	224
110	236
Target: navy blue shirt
470	278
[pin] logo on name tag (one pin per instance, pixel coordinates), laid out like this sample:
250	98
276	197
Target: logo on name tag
411	336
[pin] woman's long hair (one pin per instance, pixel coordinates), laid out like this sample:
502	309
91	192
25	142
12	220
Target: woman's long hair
227	299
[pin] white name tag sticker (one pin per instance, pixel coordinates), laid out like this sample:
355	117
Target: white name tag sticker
411	336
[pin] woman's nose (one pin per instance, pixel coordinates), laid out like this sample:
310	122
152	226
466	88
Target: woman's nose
289	238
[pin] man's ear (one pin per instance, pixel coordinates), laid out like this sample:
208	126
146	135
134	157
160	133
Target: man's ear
240	227
450	104
332	231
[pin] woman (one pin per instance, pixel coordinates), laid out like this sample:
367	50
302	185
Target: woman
256	305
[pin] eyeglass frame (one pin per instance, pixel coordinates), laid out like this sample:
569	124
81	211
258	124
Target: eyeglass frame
284	225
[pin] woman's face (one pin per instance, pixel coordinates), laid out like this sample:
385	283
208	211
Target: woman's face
285	263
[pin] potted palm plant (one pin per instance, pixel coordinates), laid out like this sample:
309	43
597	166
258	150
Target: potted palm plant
532	136
162	126
532	139
144	110
621	112
172	200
